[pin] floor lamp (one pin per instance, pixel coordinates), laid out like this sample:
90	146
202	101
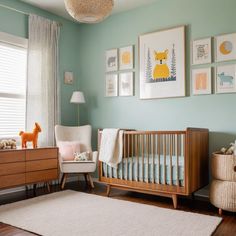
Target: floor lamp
77	98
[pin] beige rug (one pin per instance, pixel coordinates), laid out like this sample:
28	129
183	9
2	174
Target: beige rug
71	213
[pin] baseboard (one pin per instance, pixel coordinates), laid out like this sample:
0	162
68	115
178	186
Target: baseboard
12	190
71	178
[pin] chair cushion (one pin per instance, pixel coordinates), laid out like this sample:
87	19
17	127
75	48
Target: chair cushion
78	167
68	149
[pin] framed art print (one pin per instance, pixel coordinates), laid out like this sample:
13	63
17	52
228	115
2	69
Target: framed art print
126	87
225	47
162	64
201	81
201	51
126	55
225	79
111	85
111	60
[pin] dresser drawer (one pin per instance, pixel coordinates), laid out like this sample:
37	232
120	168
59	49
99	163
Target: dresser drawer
12	168
41	165
40	154
12	156
41	176
12	180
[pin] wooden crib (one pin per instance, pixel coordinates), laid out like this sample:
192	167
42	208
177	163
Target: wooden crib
166	163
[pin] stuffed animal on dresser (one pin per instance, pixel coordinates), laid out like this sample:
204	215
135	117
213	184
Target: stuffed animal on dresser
30	137
8	144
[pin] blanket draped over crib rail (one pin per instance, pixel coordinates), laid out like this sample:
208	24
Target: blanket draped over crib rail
166	163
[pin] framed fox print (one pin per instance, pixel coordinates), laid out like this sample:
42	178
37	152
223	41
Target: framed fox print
162	64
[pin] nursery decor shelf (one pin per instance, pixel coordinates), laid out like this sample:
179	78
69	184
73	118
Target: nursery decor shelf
28	166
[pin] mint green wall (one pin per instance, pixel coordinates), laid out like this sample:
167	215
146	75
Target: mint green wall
17	24
203	18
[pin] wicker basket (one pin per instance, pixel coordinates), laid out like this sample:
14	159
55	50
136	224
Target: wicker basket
223	185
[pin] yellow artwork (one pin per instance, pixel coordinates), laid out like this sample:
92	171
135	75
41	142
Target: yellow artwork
126	58
161	70
201	81
226	47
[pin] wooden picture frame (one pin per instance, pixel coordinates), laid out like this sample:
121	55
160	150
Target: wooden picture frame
126	58
112	60
111	87
225	79
202	81
162	64
126	84
225	47
201	51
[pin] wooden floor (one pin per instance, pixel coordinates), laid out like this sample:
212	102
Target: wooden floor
226	228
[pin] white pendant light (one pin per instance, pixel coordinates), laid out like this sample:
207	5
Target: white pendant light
89	11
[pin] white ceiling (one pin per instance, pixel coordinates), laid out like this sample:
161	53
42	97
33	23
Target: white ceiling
57	6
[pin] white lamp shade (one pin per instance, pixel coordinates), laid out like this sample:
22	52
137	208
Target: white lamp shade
77	97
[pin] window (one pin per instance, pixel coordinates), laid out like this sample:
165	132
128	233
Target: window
13	69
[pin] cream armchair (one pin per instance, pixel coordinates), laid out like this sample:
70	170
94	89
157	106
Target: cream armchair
83	135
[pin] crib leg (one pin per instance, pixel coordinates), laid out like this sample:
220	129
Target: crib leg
108	190
175	200
220	211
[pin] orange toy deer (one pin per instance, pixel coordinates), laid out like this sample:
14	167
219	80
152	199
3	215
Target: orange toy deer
30	137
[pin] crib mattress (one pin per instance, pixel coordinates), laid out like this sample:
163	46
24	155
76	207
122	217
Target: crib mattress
142	169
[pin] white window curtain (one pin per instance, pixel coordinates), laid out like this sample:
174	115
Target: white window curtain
42	104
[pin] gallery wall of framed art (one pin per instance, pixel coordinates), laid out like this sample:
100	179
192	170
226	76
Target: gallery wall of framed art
119	78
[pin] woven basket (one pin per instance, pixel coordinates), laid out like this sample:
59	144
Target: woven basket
223	185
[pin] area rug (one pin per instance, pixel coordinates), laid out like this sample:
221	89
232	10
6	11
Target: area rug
71	213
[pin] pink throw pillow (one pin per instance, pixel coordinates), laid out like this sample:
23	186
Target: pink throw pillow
67	150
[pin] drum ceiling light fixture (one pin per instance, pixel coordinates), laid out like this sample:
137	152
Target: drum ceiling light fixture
89	11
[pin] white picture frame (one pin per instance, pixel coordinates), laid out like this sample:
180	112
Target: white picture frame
201	51
126	84
225	47
225	79
68	77
112	60
162	64
126	58
111	85
202	81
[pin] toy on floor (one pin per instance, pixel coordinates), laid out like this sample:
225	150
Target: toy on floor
30	137
8	144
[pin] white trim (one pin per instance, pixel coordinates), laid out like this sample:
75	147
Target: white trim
12	39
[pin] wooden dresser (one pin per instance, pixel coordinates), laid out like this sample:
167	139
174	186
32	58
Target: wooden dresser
28	166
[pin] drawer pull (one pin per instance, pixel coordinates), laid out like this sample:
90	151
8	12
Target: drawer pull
234	168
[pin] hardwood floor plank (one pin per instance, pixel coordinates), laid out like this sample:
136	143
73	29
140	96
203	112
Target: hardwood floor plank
226	228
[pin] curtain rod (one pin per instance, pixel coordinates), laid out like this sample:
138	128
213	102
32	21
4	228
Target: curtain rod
22	12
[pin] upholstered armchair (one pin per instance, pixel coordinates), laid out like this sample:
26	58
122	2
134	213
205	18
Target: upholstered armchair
81	134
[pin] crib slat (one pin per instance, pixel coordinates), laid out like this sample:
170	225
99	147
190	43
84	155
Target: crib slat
159	158
143	157
164	167
153	155
137	157
132	155
171	143
148	152
177	153
126	155
122	166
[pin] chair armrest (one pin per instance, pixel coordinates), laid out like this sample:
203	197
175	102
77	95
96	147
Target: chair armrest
95	156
